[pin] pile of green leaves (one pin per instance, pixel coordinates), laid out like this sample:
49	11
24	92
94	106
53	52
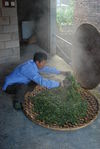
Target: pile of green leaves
60	106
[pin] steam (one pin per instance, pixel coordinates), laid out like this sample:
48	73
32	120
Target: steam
29	10
86	56
86	45
35	11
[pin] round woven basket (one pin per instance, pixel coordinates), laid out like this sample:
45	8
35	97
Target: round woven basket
28	110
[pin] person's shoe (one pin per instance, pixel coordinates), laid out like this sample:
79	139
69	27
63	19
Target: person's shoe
17	105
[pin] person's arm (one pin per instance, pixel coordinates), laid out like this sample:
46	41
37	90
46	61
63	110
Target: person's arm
48	69
34	75
45	82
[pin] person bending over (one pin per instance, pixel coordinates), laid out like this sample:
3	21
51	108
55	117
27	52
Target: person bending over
25	77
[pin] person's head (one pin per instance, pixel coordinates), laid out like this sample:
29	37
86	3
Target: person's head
40	59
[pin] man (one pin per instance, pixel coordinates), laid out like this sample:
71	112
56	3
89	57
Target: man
24	77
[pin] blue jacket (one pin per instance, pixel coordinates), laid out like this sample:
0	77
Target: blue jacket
28	71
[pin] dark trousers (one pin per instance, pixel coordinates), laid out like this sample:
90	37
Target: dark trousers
19	90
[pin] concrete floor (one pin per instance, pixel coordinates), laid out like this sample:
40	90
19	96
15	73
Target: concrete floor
18	132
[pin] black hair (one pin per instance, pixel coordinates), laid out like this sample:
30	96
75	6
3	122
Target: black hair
39	56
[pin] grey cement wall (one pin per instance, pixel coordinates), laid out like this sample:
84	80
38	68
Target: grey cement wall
87	11
46	26
43	26
9	38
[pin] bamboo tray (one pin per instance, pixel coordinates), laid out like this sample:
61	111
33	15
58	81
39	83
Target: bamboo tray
92	102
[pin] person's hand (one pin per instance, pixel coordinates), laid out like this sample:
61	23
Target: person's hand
61	84
65	83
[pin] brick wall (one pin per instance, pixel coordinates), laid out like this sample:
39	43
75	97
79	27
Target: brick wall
9	38
87	11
